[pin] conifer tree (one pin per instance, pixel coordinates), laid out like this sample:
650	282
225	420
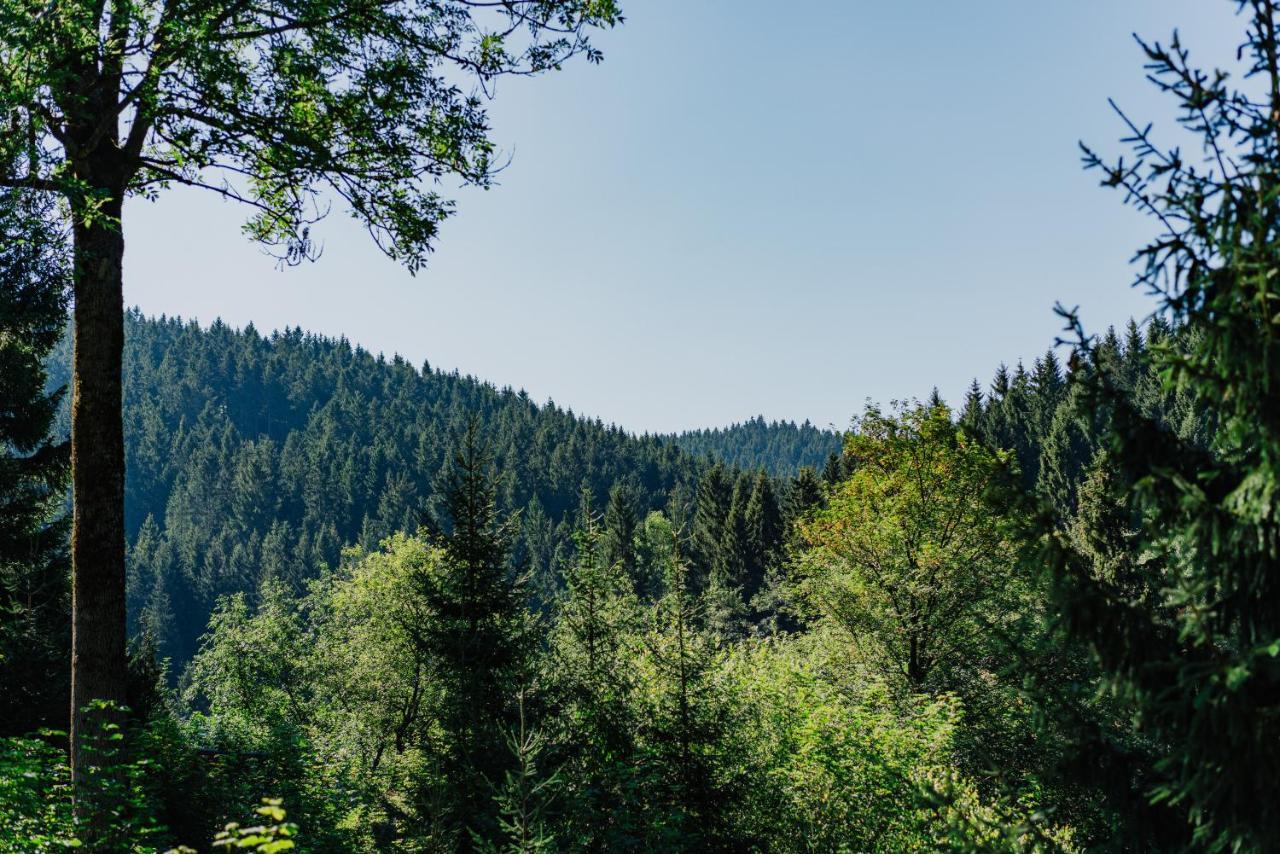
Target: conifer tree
476	632
726	588
1198	668
593	645
714	496
765	531
972	414
803	494
687	722
620	522
34	630
834	471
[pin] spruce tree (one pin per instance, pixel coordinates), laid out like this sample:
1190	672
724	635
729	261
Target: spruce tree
803	494
714	496
1198	668
834	471
726	588
685	729
34	622
764	526
972	415
593	643
476	631
620	523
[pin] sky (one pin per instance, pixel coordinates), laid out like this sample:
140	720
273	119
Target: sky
750	207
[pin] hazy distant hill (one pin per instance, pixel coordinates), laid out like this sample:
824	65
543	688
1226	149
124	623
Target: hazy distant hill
781	448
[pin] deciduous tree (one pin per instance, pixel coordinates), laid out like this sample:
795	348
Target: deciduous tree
282	105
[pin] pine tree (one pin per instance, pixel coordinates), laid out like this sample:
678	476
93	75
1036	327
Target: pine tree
685	728
765	531
620	528
1197	668
476	632
593	645
714	495
34	624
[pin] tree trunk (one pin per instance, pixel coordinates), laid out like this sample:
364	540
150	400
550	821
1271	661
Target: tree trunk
98	633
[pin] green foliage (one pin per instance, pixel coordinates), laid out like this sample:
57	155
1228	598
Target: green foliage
273	835
524	796
255	458
835	761
912	555
1177	599
478	635
590	669
273	105
35	806
114	805
34	624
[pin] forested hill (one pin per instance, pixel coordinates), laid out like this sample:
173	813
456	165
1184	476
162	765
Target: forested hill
253	456
781	448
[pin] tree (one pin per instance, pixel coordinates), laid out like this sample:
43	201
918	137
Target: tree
686	718
620	528
803	494
909	556
279	105
593	646
1198	666
476	632
33	468
714	495
764	533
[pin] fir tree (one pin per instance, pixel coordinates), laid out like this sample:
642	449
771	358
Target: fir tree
687	723
834	471
592	644
1197	668
620	528
714	496
476	632
764	527
34	626
803	494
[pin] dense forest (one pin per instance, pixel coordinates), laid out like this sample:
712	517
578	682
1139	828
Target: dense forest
323	600
253	457
781	448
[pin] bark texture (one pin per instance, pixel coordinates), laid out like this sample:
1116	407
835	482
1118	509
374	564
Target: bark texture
98	632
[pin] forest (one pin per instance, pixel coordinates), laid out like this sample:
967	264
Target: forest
277	592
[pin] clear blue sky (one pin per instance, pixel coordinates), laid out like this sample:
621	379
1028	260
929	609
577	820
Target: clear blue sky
750	207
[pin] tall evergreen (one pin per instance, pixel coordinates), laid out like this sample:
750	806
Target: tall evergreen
593	641
764	524
715	491
1197	667
34	624
803	494
834	470
971	414
476	632
687	723
620	521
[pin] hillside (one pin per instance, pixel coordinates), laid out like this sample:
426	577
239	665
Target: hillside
253	457
781	448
